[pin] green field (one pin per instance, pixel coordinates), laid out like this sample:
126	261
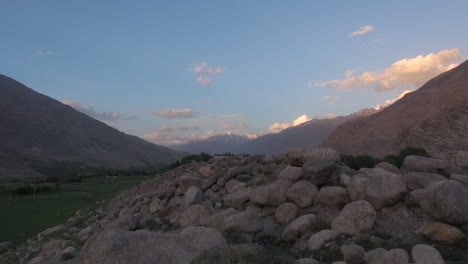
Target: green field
26	216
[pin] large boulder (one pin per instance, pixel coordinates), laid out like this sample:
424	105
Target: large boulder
285	213
426	254
332	196
317	240
321	171
440	232
297	156
273	194
291	173
352	252
356	218
193	196
419	180
298	227
156	206
193	215
382	256
216	220
116	246
446	201
388	167
357	187
463	179
187	181
234	185
246	222
6	246
237	198
424	164
302	193
384	188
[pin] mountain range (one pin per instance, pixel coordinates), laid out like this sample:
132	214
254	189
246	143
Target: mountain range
37	131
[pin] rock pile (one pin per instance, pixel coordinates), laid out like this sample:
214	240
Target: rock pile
304	207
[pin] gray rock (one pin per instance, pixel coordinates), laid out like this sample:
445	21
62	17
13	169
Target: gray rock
299	226
384	188
120	247
440	232
291	173
332	196
317	240
306	261
423	164
388	167
193	215
216	220
419	180
6	246
357	187
193	196
298	156
237	198
272	194
209	182
382	256
302	193
247	222
426	254
285	213
463	179
352	252
234	185
156	205
188	181
356	218
321	172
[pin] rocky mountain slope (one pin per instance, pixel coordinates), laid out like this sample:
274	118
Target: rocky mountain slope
433	117
38	131
308	134
304	207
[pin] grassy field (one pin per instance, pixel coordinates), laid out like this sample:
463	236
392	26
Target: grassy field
26	216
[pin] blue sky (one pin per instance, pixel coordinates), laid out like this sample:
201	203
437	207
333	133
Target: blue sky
135	64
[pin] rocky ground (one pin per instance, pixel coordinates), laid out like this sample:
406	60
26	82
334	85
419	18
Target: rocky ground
304	207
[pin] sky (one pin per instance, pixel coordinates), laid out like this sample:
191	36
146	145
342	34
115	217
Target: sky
175	71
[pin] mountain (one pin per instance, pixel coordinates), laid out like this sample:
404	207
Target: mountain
435	117
38	131
308	134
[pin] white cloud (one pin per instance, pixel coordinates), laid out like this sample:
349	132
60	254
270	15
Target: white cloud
208	102
330	99
204	80
229	116
408	73
167	139
175	113
362	30
165	129
202	68
278	127
44	53
391	101
103	116
232	125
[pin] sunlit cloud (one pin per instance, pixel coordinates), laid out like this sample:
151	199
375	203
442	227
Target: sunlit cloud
408	73
330	99
44	53
103	116
229	125
166	129
229	116
206	81
169	139
278	127
202	68
391	101
207	102
175	113
362	30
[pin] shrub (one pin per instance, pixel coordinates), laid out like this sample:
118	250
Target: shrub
359	161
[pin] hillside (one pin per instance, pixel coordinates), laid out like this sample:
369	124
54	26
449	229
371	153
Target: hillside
38	131
433	117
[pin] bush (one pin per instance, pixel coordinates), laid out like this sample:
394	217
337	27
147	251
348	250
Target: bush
187	160
397	160
359	161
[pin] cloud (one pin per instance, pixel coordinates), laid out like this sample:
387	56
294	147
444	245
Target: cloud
175	113
103	116
362	30
202	68
166	129
229	116
408	73
391	101
232	125
166	139
204	80
207	102
278	127
330	99
44	53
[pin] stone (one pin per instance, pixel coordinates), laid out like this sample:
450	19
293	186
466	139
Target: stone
192	196
426	254
446	201
244	177
415	197
297	156
69	250
206	171
237	198
382	256
440	232
302	193
188	181
156	206
247	222
216	220
306	261
270	159
37	260
321	172
463	179
332	196
212	196
120	247
209	182
384	188
273	194
317	240
6	246
388	167
352	252
285	213
357	188
345	179
193	215
419	180
424	164
291	173
356	218
49	231
298	226
234	185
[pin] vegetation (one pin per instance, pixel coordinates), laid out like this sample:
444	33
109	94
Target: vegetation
187	160
366	161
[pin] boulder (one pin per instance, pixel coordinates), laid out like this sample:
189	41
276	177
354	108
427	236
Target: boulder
332	196
116	246
193	215
245	222
270	159
345	179
321	172
463	179
419	180
188	181
352	252
388	167
237	198
6	246
234	185
426	254
356	218
285	213
216	220
209	182
297	156
273	194
156	206
440	232
302	193
382	256
291	173
357	187
206	171
415	197
446	201
306	261
384	188
298	227
193	196
317	240
424	164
